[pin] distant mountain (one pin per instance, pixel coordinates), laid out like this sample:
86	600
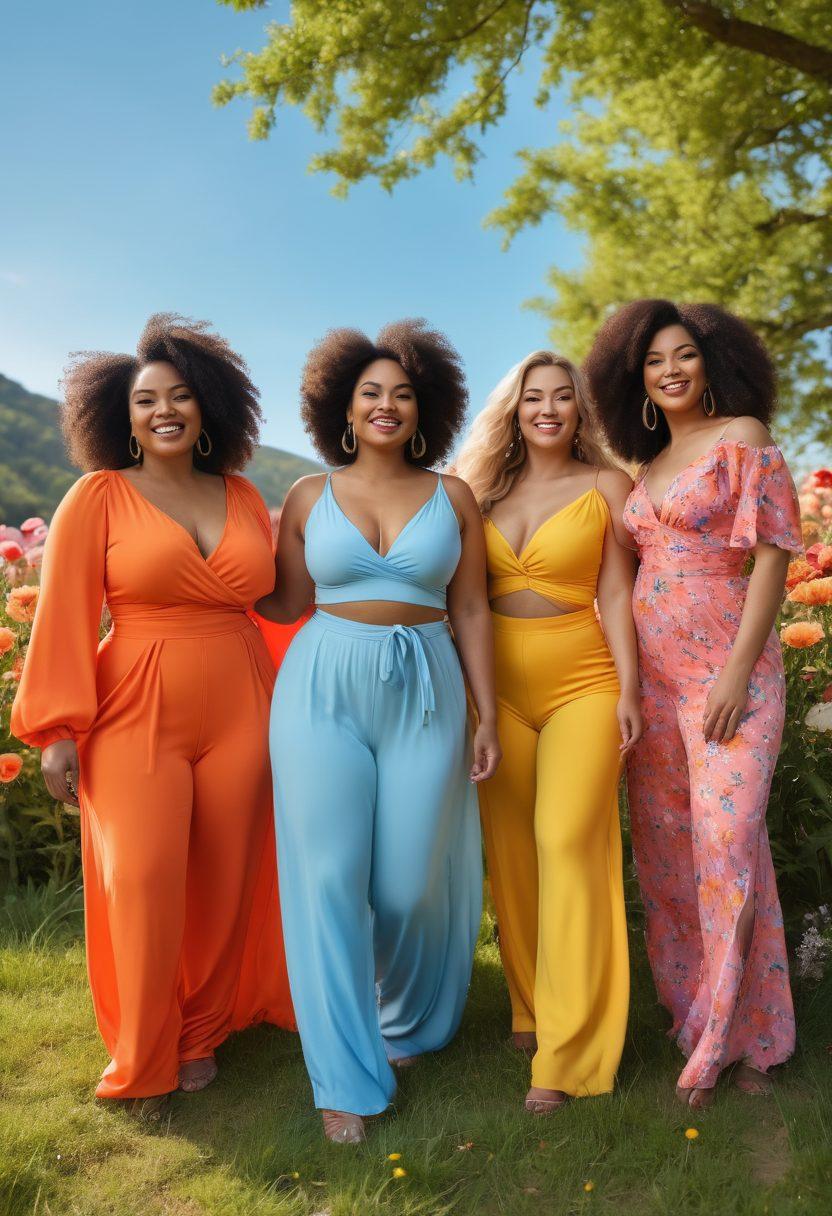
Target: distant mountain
35	472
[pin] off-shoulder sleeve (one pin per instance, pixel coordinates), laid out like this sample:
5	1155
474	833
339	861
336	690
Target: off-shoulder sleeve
56	698
767	508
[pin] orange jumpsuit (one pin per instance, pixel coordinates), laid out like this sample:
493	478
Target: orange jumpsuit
170	714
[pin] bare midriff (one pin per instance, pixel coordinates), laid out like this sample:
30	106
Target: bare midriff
384	612
528	604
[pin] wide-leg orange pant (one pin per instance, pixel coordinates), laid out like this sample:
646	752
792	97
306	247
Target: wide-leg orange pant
183	930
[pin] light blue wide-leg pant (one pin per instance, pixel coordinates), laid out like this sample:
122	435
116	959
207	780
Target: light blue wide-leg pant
378	846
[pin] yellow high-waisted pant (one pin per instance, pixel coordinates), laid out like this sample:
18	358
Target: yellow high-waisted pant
553	841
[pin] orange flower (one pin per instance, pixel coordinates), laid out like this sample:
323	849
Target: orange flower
800	571
819	591
801	634
10	766
21	603
8	638
809	529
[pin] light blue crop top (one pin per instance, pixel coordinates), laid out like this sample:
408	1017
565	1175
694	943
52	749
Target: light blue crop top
415	570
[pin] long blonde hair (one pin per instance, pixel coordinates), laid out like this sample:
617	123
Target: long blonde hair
491	457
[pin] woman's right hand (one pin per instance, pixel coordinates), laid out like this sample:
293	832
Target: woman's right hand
59	765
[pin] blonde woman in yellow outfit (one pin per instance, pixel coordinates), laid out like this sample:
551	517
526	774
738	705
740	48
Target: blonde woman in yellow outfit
568	712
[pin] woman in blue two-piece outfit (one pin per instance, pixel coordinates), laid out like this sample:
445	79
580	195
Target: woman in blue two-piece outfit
379	844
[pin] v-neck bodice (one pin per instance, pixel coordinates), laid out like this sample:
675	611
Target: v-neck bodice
416	569
715	510
562	558
107	542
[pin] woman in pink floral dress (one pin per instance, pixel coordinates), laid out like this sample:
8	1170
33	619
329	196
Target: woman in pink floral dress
686	392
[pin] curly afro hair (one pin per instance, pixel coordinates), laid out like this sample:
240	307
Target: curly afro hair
96	394
739	369
432	365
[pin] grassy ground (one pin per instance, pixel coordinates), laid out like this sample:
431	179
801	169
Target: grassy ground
251	1145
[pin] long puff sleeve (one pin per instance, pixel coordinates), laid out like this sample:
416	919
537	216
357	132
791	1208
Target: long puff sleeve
56	698
767	506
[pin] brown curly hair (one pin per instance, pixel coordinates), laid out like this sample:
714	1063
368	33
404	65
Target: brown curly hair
432	365
96	394
740	372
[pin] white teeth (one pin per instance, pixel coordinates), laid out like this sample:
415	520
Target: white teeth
167	430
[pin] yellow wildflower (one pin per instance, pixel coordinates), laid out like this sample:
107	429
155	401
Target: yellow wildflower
692	1133
398	1172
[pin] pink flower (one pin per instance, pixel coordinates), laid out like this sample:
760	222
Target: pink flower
32	524
34	557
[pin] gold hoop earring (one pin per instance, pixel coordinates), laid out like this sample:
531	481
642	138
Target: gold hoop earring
708	403
423	447
137	452
202	450
348	440
650	426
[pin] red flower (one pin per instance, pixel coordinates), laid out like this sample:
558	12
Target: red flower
11	550
10	766
823	478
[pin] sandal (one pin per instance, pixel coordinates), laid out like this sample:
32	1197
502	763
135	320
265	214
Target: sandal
341	1127
195	1075
538	1105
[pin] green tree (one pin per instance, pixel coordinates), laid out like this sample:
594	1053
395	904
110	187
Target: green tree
696	161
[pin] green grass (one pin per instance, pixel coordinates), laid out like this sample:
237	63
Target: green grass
251	1144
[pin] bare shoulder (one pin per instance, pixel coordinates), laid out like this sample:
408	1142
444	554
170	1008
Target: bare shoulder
460	494
614	484
305	491
746	429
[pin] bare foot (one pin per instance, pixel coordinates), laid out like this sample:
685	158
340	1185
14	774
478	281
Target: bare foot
197	1074
544	1101
750	1080
699	1099
525	1041
404	1061
343	1128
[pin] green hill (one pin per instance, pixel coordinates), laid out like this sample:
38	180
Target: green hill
35	472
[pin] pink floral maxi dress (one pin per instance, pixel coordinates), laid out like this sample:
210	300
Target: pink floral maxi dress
698	808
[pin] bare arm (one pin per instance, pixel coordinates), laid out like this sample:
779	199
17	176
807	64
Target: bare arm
470	618
293	588
615	604
729	695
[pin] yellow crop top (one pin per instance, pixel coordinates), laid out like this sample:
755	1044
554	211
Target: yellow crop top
561	560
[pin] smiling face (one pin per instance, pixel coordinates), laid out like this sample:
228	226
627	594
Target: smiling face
548	411
674	371
164	413
383	409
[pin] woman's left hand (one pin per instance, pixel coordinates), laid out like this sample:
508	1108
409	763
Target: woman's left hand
725	706
487	753
630	722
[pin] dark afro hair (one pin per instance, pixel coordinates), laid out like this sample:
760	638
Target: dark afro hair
96	394
432	365
739	369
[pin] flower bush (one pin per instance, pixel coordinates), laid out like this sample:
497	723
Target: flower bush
800	808
39	838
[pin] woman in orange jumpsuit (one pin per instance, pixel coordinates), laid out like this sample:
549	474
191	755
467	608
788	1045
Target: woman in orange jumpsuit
160	732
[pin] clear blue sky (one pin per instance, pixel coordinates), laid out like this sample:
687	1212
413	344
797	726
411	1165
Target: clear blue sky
126	192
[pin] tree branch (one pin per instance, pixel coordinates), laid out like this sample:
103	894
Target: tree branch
762	39
790	215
